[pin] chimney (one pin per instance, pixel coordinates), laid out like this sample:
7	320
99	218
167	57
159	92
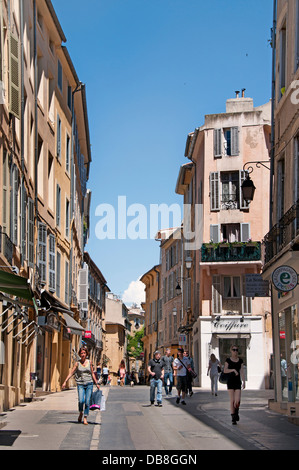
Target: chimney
243	92
237	94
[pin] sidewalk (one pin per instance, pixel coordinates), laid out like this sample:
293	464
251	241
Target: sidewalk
130	423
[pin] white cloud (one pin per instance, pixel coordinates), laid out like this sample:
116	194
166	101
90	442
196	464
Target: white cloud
134	293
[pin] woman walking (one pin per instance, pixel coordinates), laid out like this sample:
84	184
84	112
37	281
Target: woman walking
234	366
85	377
214	369
122	372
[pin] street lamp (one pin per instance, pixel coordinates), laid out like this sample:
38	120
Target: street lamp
248	189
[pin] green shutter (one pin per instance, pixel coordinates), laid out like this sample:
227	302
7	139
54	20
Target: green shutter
14	77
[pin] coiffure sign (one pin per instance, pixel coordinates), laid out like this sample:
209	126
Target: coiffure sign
231	326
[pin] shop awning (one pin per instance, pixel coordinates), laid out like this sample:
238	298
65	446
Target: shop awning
15	285
51	304
232	335
74	326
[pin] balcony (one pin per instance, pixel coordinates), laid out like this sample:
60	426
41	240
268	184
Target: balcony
282	234
225	252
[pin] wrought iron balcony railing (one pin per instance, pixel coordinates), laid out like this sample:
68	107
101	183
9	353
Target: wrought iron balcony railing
224	252
282	233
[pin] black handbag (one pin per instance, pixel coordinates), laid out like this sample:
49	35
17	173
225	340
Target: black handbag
223	378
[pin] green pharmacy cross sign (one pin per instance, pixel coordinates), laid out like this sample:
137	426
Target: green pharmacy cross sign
285	278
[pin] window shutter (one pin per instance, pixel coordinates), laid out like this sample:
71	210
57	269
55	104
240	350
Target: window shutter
242	176
235	141
215	191
245	232
52	280
66	283
58	144
216	295
217	143
83	288
30	235
215	233
42	251
15	211
58	263
246	301
14	76
58	205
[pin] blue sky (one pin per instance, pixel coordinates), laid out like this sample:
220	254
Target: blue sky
153	69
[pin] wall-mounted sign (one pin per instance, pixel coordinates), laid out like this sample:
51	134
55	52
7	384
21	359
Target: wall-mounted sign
231	326
255	286
284	278
182	340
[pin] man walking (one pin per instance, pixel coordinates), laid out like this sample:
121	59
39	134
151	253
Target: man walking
181	365
189	377
156	372
168	371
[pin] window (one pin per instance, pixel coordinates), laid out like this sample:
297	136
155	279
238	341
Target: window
66	283
282	60
231	287
30	235
59	75
69	97
226	142
225	190
280	188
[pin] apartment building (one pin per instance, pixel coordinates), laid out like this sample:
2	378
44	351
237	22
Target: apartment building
117	327
227	234
282	240
45	158
152	312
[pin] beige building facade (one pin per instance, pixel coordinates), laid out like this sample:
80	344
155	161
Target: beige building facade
282	240
44	166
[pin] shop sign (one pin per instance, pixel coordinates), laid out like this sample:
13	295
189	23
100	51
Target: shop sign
255	286
231	326
284	278
87	334
182	340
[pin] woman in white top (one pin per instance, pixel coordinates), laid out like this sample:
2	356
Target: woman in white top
214	371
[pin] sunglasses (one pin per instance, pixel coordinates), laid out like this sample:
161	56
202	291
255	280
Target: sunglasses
235	349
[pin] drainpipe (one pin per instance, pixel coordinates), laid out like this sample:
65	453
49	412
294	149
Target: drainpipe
35	126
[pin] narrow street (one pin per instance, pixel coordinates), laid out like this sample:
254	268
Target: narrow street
131	424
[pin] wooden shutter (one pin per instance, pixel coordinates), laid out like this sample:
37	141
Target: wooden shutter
242	176
215	233
66	283
52	279
245	232
216	295
217	143
235	141
42	251
58	204
58	136
246	301
83	288
30	235
14	76
215	191
58	264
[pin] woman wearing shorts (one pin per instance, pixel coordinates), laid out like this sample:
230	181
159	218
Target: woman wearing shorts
234	366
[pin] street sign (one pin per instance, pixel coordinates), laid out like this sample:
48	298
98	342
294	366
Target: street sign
284	278
182	340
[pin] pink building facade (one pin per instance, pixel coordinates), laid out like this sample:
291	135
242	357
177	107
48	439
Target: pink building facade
227	254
